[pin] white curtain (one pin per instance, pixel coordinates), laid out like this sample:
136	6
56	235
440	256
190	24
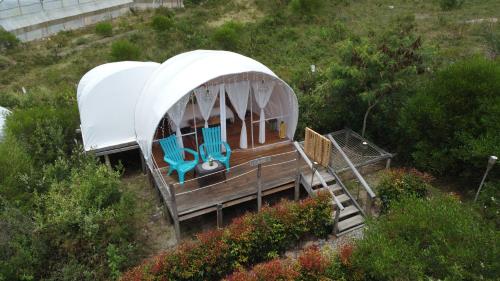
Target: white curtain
222	106
175	114
262	91
238	95
206	97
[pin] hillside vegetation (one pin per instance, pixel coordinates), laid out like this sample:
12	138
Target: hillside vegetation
420	78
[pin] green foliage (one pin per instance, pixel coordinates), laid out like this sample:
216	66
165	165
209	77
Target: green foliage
305	6
447	5
249	239
452	122
488	202
44	132
401	183
7	40
104	29
436	239
124	50
79	215
227	35
162	23
15	173
369	72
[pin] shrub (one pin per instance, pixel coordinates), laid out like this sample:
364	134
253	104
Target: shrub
399	183
104	29
418	238
162	23
7	40
452	122
447	5
227	35
44	132
250	239
488	202
312	264
124	50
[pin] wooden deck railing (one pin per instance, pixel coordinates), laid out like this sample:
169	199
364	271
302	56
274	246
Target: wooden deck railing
247	181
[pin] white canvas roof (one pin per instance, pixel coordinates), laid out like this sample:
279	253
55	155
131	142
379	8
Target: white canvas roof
181	74
107	96
3	114
152	90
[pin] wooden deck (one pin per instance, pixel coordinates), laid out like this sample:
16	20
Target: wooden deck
241	182
193	199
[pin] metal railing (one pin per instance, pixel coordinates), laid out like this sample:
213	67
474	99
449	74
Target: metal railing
314	173
368	202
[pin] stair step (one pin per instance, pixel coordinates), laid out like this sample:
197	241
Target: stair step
343	198
350	223
348	211
335	188
306	177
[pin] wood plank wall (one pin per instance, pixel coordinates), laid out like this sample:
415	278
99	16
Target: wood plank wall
317	147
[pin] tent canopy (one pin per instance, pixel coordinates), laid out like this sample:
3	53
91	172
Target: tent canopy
107	96
3	114
110	95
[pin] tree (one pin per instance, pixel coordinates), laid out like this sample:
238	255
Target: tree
452	122
372	69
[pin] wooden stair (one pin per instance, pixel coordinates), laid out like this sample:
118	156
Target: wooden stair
351	217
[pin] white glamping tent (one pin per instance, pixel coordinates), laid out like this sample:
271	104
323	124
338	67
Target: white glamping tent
122	104
3	114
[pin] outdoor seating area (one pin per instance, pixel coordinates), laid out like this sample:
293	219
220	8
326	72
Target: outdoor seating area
201	121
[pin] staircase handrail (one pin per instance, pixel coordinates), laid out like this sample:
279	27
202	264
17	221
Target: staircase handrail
353	168
316	173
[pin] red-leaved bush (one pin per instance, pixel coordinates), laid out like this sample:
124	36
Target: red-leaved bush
312	264
250	239
346	251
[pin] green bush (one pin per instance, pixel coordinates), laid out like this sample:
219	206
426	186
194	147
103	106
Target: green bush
162	23
124	50
420	239
451	124
227	35
104	29
15	174
447	5
488	202
44	132
397	184
250	239
67	232
7	40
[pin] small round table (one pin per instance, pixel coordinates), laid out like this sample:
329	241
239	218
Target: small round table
207	174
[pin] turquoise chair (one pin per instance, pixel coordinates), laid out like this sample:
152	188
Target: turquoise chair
174	156
212	146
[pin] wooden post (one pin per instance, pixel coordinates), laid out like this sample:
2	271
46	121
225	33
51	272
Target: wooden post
219	215
388	163
107	161
259	187
297	179
175	215
336	220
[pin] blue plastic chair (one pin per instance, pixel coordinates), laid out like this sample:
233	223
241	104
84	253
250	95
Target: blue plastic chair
174	156
212	146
